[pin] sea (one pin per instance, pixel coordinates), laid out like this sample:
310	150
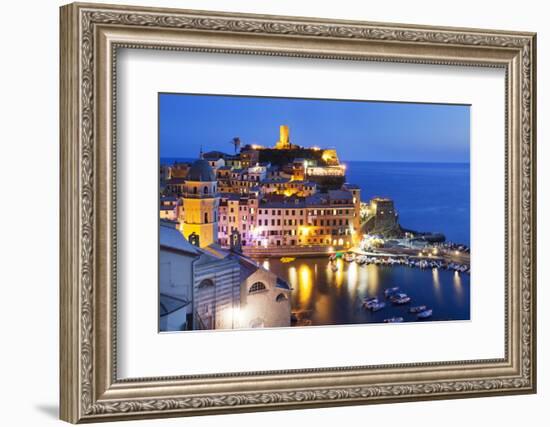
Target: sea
428	196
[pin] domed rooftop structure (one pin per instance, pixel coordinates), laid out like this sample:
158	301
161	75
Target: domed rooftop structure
201	171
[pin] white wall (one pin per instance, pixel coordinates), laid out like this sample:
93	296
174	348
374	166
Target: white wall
29	159
175	274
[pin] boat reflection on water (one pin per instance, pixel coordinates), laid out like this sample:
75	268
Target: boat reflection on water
334	296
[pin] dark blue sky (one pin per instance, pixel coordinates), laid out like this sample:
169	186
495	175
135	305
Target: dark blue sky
370	131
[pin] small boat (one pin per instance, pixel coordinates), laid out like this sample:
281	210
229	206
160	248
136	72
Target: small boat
400	298
393	320
417	309
370	301
377	306
425	314
390	291
287	259
349	257
361	259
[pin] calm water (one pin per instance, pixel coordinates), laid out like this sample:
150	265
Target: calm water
335	298
428	196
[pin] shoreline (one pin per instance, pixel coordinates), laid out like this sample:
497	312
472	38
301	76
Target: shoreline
389	257
313	252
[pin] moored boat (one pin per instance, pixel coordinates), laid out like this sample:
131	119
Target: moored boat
417	309
349	257
400	298
367	302
390	291
361	259
373	304
425	314
393	320
378	306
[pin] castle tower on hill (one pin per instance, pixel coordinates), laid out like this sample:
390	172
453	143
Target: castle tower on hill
200	204
284	138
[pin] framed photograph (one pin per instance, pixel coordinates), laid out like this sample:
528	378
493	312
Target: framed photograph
266	212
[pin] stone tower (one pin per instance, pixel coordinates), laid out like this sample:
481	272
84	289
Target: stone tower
284	138
200	204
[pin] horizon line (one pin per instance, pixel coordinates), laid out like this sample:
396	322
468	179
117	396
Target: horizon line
347	161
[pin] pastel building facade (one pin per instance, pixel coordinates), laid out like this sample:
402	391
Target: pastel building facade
297	198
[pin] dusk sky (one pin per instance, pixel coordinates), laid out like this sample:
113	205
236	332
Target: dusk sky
368	131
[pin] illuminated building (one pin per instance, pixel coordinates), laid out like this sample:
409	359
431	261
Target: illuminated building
200	203
284	138
168	208
295	197
320	220
237	213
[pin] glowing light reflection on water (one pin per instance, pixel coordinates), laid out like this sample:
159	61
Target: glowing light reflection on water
336	297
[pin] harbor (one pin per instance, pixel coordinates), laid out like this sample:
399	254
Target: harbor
322	295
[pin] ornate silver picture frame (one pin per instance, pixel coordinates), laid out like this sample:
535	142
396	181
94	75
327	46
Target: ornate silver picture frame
91	35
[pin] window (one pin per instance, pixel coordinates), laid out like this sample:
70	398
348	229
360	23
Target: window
205	190
281	298
206	283
257	287
206	217
194	190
